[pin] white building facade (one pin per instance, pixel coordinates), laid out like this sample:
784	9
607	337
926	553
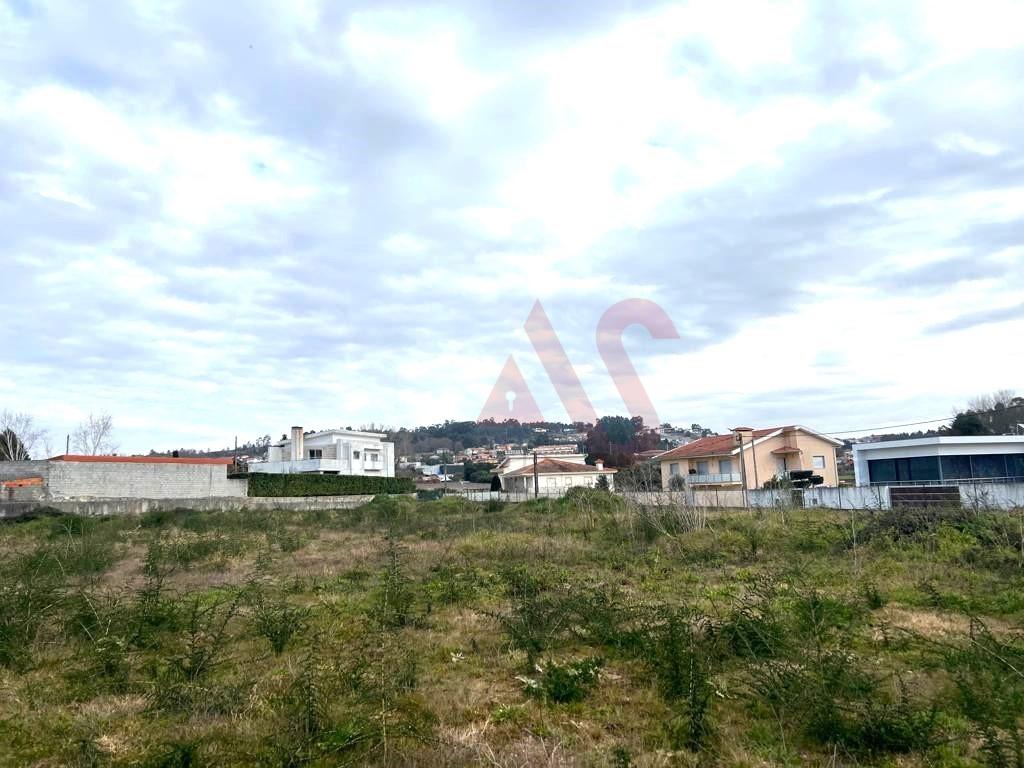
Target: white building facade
940	460
330	452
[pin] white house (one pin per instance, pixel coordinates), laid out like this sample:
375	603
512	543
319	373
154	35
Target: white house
933	460
330	452
556	472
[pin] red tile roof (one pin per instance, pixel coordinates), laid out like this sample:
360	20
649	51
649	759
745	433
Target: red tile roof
144	459
716	445
555	467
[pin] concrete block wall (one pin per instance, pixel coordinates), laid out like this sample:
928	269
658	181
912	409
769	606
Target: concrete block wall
77	480
16	470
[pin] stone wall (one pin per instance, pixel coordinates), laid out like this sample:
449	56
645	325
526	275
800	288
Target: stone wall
87	479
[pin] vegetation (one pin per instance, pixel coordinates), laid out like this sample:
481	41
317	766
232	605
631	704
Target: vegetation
579	631
266	484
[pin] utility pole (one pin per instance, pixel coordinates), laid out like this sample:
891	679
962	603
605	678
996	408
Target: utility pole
743	469
67	445
536	479
753	457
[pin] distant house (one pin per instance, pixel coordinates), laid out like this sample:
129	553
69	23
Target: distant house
750	455
942	459
330	452
556	472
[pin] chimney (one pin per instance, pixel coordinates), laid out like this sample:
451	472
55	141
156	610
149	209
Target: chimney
298	447
599	463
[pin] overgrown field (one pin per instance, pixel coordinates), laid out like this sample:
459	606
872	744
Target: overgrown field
576	632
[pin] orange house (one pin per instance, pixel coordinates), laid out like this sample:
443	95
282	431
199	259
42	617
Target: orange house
749	457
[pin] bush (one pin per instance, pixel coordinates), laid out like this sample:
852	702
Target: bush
263	484
563	683
277	621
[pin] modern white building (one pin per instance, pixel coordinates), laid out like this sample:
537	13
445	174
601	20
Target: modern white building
556	472
940	460
330	452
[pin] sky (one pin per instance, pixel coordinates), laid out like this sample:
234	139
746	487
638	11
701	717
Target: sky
225	219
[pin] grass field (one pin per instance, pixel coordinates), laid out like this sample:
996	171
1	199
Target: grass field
575	632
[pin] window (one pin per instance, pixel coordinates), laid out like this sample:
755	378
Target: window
993	465
725	466
673	469
703	467
817	462
924	468
956	467
355	454
316	453
882	470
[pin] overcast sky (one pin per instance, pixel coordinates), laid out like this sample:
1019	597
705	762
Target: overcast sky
223	219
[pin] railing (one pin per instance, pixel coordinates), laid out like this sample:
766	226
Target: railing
712	478
952	481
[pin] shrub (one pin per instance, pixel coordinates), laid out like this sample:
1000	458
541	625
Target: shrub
394	598
277	621
680	657
31	589
989	691
563	683
264	484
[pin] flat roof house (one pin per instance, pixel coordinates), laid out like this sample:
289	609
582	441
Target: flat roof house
940	460
330	452
750	455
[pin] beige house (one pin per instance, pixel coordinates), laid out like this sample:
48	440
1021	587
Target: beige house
750	457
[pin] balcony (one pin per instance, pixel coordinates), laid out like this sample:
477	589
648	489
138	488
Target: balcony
721	478
303	465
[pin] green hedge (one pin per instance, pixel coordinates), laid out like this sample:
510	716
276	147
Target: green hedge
263	484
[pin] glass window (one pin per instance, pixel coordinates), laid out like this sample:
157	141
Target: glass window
882	470
956	467
989	466
673	469
924	468
725	466
1015	465
703	467
355	454
817	462
316	453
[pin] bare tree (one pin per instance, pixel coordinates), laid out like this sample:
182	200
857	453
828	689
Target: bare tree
93	437
990	402
19	436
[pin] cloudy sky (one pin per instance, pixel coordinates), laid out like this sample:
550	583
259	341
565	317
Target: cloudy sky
223	219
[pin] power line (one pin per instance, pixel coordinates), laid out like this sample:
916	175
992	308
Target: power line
918	423
887	426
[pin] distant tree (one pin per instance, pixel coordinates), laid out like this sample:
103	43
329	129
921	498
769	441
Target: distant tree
696	430
617	439
496	483
967	424
19	436
94	436
602	483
